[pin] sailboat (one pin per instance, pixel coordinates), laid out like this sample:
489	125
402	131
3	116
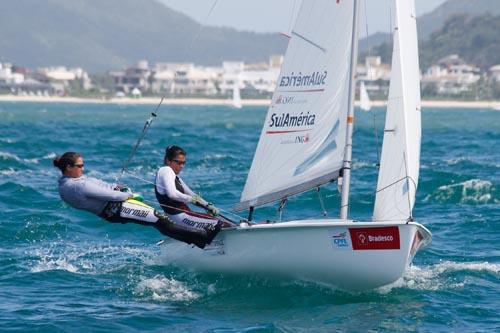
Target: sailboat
306	142
236	102
364	99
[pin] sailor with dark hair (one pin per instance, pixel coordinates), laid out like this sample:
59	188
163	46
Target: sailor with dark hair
173	194
116	203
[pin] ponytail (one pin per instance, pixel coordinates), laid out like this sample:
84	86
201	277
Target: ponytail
172	151
68	158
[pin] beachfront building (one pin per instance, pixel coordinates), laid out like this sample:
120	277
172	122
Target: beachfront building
8	76
494	72
20	81
450	76
62	79
128	79
375	74
162	78
193	81
260	79
231	76
187	79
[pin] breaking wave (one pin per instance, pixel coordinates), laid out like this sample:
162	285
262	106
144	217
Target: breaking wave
473	191
437	277
160	288
96	259
12	157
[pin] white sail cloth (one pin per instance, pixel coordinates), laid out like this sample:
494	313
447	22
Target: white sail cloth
303	138
400	160
364	99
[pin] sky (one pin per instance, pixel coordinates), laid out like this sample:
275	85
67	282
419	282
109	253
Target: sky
277	15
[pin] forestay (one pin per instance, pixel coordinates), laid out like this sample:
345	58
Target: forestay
399	167
303	138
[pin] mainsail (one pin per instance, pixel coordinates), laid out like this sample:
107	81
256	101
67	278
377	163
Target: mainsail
303	138
399	166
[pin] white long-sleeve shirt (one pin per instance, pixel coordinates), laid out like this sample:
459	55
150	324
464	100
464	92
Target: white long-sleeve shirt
89	193
165	184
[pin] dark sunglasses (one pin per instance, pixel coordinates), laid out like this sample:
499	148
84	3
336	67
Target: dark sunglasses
179	162
79	166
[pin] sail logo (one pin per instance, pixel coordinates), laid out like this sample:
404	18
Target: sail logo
313	79
287	120
302	138
287	100
383	238
340	240
298	139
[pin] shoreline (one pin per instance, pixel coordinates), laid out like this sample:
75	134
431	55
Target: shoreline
226	102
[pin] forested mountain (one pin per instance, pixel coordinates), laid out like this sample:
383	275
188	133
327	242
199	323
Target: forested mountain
433	21
106	34
109	34
476	39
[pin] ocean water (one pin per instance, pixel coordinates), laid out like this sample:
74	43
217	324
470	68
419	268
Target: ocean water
63	270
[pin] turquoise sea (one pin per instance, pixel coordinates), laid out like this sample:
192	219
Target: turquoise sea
63	270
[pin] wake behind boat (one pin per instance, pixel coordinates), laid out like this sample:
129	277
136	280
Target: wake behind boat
306	142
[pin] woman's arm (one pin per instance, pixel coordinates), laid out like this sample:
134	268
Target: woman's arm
165	181
97	189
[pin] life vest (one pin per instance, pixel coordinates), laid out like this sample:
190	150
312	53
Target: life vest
172	207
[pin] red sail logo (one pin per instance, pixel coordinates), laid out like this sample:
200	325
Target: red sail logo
383	238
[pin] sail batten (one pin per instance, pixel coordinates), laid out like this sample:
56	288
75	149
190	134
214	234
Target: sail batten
302	142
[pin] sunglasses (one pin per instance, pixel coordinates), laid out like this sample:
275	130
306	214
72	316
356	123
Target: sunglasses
179	162
79	166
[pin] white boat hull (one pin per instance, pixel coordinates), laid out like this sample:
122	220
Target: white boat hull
349	255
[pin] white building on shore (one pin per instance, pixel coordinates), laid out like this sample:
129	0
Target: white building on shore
451	76
375	74
60	78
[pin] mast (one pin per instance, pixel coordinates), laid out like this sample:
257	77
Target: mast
344	205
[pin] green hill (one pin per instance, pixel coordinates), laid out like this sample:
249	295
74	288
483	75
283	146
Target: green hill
433	21
475	39
107	34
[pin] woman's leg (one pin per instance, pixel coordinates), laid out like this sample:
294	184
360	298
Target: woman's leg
137	212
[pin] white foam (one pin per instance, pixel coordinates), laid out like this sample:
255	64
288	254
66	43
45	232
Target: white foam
9	156
215	157
49	156
473	191
83	259
455	161
7	140
362	164
161	288
8	172
434	277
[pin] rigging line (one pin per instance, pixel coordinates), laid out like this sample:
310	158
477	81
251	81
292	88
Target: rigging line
201	26
148	123
321	202
391	184
150	182
150	120
282	207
